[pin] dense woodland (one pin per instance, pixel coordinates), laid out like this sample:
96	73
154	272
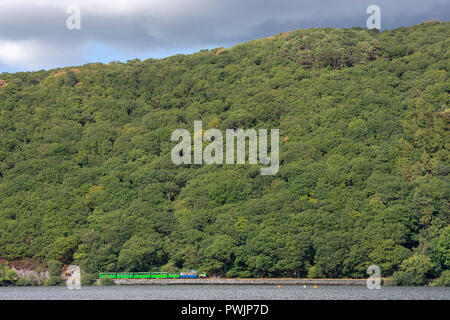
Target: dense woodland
86	175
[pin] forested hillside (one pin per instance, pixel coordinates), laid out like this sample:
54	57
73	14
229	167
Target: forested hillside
86	175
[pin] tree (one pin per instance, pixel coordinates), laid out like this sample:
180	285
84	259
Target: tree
414	270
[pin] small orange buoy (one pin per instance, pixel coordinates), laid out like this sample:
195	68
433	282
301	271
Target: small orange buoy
279	286
315	287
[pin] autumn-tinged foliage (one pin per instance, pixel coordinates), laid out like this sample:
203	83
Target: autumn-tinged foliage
86	175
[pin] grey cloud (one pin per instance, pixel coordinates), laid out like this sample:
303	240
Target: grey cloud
177	25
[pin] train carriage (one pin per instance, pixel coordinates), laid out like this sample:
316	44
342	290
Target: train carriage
125	275
110	275
142	275
173	275
188	275
159	275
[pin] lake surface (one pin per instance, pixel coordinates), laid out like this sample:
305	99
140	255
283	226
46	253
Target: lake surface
224	292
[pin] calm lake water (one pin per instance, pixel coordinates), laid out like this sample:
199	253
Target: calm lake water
224	292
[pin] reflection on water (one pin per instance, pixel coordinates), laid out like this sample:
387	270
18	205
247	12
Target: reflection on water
228	292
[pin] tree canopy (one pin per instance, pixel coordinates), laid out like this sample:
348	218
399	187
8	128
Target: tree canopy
86	175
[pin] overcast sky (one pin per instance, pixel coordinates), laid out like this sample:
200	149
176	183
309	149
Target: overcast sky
34	35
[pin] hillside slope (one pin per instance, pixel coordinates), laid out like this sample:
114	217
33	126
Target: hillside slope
86	175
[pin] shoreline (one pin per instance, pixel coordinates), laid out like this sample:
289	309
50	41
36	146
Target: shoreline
247	281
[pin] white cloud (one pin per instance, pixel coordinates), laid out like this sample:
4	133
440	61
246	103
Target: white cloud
35	54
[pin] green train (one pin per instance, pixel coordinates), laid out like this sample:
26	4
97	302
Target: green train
151	275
